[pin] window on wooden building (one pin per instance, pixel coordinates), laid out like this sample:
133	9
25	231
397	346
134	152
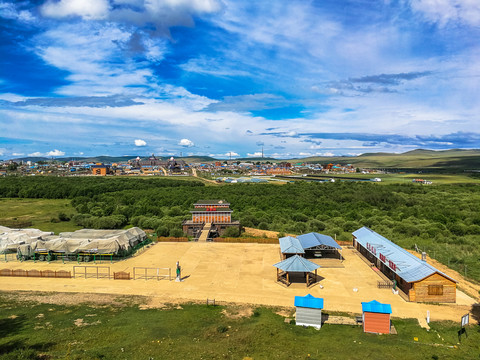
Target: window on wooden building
435	289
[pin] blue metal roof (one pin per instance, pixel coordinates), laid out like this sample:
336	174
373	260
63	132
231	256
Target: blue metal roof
376	307
309	301
296	263
313	239
290	245
406	265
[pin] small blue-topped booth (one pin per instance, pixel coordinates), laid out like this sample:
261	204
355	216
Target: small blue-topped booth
308	311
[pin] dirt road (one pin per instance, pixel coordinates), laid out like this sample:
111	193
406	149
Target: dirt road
241	273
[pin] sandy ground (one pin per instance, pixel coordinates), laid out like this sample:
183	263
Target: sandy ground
238	273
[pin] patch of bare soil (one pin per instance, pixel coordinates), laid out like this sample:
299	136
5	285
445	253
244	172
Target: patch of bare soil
95	300
238	312
81	322
263	233
285	312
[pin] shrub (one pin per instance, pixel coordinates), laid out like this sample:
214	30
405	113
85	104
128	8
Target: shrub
63	217
231	231
162	231
176	233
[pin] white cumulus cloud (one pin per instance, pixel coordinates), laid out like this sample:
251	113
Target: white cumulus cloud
444	11
87	9
36	153
186	143
255	154
232	153
55	153
140	142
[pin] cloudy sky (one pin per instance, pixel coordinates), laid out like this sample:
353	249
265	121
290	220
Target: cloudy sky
221	77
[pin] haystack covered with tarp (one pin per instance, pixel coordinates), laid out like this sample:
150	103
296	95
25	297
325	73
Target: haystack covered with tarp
86	241
11	239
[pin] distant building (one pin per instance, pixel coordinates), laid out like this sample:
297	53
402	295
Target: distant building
101	170
214	212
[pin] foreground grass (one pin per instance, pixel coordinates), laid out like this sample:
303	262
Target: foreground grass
37	213
45	331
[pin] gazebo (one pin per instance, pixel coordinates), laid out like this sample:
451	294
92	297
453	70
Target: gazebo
296	264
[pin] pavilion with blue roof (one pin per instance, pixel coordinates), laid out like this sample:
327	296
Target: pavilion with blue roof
312	244
420	281
296	265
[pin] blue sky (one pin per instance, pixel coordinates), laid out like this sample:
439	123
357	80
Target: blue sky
220	77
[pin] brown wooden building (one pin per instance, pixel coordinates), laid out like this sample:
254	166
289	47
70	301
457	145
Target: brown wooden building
418	280
101	169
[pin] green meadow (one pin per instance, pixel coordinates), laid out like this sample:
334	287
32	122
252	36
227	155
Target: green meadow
117	328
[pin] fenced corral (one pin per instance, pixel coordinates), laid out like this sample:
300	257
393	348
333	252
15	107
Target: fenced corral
147	273
121	275
36	273
89	272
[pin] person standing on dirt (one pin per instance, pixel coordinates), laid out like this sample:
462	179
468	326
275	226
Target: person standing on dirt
179	270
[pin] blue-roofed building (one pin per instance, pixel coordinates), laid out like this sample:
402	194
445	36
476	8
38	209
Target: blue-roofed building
296	267
317	245
312	245
376	317
308	311
290	246
420	281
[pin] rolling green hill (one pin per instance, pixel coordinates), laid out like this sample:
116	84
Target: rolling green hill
454	160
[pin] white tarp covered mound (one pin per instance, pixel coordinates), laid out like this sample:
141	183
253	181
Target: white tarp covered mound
10	239
81	241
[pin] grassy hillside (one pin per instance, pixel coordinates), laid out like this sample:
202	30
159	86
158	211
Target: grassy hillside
449	160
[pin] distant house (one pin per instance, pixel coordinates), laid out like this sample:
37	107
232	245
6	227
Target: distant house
100	169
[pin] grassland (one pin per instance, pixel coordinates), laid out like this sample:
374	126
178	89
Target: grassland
406	178
117	328
37	213
449	160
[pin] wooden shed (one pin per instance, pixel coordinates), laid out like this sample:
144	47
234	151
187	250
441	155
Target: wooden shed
376	317
308	311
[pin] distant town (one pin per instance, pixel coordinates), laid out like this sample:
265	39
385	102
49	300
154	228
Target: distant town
155	166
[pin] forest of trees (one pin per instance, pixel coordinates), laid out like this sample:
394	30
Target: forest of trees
444	218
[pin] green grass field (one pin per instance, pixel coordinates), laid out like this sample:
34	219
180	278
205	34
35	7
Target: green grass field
36	213
406	178
31	330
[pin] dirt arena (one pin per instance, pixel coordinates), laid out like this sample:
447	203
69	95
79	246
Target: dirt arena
240	273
